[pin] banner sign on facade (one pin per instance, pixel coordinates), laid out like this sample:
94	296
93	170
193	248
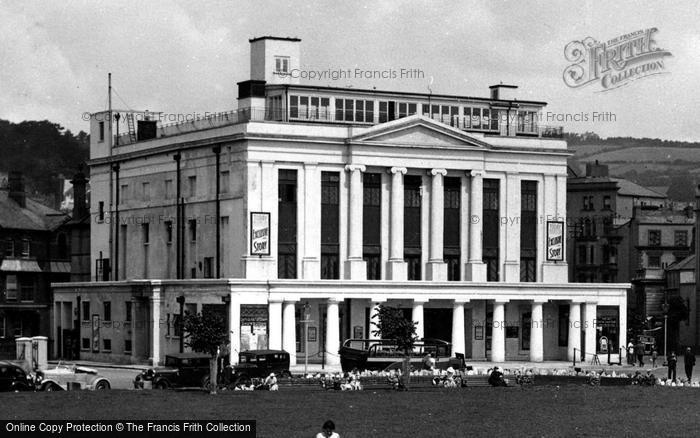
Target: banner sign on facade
259	233
95	333
555	241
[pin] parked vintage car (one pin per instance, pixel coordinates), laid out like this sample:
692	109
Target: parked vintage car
381	354
181	370
259	364
70	377
15	378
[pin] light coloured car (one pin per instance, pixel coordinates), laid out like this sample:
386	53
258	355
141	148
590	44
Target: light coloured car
70	377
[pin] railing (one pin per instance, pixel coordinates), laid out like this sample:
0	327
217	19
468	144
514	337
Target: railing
196	122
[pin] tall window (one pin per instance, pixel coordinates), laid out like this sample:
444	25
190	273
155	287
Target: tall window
563	325
225	181
412	225
208	267
145	233
127	311
192	184
27	286
654	237
528	231
490	238
680	238
9	247
287	225
451	234
193	230
371	224
169	194
26	247
86	310
107	315
11	287
330	194
146	191
168	232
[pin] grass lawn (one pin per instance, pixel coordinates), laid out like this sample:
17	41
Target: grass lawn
424	412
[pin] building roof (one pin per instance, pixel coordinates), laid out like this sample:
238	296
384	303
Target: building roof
664	216
687	263
35	216
628	188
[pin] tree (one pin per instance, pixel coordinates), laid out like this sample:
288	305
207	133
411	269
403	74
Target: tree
392	324
207	333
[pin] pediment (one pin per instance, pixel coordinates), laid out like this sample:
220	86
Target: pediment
419	131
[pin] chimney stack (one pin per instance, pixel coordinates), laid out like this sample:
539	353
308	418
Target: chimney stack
15	184
79	195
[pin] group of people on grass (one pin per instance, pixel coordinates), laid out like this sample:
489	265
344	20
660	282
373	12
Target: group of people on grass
349	381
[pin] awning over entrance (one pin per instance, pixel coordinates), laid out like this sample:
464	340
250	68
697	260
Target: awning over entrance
19	265
60	267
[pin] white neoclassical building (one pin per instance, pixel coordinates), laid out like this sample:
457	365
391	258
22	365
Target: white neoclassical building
329	202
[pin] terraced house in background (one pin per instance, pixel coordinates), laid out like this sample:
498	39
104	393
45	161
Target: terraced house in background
327	202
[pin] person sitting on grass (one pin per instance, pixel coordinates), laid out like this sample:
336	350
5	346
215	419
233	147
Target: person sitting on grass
271	382
496	378
354	380
328	431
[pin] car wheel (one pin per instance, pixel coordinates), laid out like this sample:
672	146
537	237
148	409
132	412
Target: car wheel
52	387
161	384
102	385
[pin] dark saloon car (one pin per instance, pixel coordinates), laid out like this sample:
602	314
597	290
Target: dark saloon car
260	363
15	378
181	370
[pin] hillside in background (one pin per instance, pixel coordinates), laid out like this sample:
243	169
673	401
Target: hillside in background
672	167
45	153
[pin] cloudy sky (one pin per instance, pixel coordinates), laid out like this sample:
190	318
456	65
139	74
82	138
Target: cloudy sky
185	57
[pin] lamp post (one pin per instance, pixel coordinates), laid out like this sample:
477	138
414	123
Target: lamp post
665	307
306	321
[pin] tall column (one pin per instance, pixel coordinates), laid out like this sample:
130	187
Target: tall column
511	266
418	318
458	337
355	266
622	323
574	331
590	310
397	267
537	333
476	269
332	332
155	322
373	318
311	257
498	334
275	325
234	318
135	337
437	269
289	331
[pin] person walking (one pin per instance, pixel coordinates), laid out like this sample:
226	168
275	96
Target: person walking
639	352
671	361
654	356
689	360
630	353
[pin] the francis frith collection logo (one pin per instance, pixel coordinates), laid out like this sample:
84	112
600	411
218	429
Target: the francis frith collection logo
616	62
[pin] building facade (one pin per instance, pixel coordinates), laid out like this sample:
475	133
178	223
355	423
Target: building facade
40	246
328	202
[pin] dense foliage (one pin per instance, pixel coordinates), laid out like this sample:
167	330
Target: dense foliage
42	151
392	324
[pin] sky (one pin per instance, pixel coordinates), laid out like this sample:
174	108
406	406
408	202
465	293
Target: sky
186	57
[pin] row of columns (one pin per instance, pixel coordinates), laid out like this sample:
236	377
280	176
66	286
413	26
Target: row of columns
397	270
282	328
